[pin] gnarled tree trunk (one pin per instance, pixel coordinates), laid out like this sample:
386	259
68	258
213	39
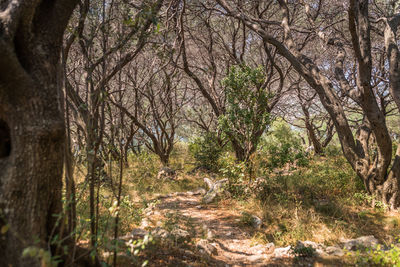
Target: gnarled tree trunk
31	118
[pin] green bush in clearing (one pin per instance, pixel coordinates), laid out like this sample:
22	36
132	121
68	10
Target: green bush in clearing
206	150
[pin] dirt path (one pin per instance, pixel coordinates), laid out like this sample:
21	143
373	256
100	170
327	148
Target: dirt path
233	243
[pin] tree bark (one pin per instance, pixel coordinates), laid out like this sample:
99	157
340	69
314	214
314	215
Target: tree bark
32	117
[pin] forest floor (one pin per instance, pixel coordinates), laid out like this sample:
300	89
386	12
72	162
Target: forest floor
222	227
164	222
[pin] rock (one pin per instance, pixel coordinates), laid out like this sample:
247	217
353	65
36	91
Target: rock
148	213
138	233
179	235
256	222
362	242
269	248
215	188
209	197
302	244
145	223
334	251
160	233
320	252
199	207
206	247
200	191
208	232
156	213
165	173
255	258
257	250
282	252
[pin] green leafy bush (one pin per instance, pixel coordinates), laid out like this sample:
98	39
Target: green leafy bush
206	150
380	257
282	147
236	174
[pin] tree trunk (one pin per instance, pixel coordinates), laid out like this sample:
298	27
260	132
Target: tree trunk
31	117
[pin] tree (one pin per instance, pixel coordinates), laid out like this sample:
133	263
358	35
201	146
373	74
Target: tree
247	111
102	54
369	151
31	117
223	43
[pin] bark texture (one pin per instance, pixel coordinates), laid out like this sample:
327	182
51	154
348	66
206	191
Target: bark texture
31	118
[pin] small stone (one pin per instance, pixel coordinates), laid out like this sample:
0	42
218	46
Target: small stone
206	247
259	249
200	191
138	233
145	223
180	235
302	244
269	248
282	252
215	188
256	222
158	232
334	251
166	172
156	213
361	242
199	207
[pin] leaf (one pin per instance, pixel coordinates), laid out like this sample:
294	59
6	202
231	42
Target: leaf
4	229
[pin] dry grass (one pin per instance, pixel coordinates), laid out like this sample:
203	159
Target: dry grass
317	203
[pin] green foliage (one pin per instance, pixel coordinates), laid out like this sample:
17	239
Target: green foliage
135	246
246	219
380	257
246	115
365	198
207	151
282	147
44	256
333	150
236	174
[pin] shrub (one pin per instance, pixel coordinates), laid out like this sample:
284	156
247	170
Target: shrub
235	172
282	147
206	151
380	257
246	113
